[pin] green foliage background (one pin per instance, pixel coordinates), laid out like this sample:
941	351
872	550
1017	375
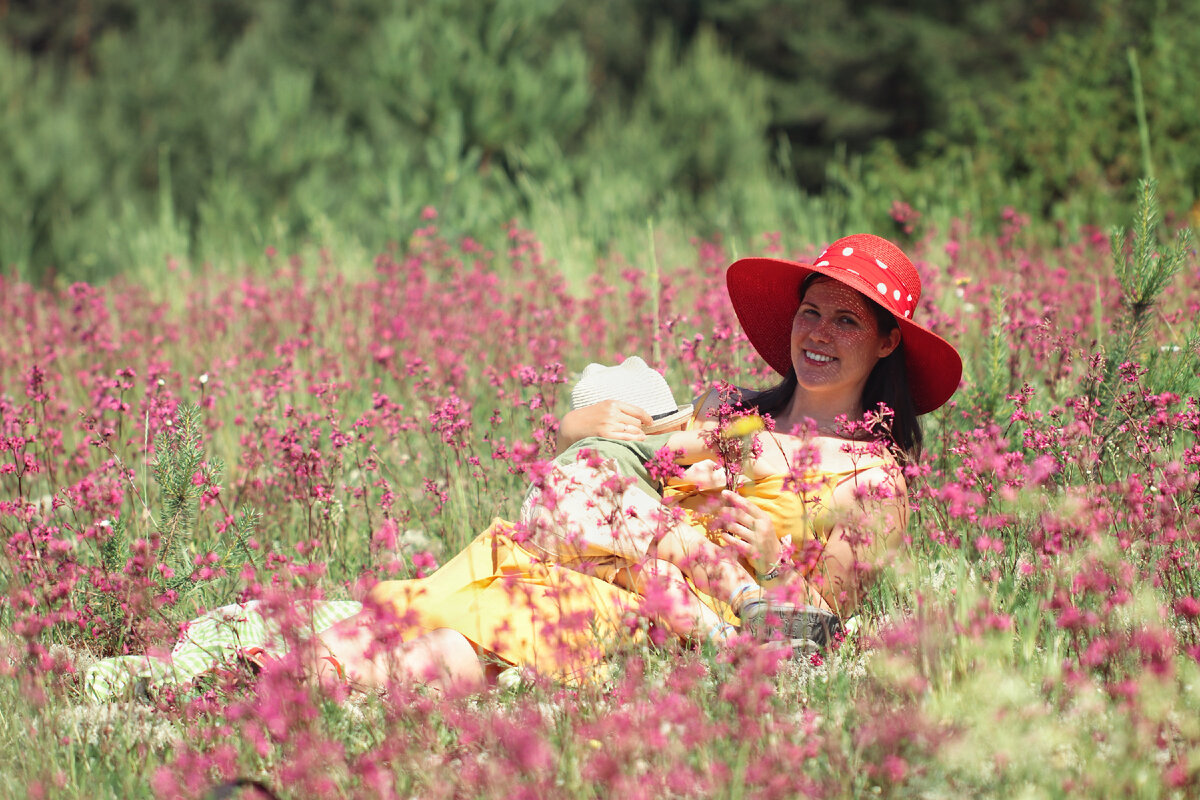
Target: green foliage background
135	129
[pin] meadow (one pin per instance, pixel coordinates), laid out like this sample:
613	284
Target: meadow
322	419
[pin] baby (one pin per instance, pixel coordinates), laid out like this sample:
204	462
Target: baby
599	510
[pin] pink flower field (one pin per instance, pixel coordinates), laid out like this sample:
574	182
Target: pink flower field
309	426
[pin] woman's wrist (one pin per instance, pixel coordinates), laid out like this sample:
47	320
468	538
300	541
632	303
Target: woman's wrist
773	573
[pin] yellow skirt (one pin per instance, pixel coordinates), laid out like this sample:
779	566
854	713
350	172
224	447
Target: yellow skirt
509	603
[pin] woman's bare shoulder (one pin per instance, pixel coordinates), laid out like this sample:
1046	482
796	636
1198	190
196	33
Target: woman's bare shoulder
837	454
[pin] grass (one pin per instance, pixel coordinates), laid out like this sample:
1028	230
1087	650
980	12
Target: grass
1037	636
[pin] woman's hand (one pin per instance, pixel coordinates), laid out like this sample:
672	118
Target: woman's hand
749	530
611	419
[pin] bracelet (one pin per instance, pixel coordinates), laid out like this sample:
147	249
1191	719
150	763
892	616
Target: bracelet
773	573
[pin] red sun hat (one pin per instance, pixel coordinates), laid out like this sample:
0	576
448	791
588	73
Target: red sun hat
765	293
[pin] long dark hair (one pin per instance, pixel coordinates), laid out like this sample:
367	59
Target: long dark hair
887	385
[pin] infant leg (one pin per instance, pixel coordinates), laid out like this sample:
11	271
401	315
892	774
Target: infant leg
443	659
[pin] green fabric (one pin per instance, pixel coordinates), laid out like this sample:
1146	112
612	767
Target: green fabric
210	641
629	457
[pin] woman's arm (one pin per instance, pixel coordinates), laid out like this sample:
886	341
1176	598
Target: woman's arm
690	447
614	419
874	509
771	460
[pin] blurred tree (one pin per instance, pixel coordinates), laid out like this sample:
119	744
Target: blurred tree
133	128
849	72
1070	128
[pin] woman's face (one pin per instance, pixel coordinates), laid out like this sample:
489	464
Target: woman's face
836	340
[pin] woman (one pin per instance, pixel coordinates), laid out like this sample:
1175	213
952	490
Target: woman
841	333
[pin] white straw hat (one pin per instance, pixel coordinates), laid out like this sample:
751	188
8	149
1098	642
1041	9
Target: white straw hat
633	382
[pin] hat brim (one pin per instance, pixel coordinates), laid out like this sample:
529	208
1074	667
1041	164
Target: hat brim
682	414
765	293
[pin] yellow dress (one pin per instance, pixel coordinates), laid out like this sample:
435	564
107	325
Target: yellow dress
511	603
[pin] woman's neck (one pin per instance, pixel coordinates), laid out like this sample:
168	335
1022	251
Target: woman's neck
822	410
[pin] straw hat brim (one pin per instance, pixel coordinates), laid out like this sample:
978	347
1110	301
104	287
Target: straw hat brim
683	414
765	293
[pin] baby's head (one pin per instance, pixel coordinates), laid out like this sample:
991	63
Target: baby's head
634	382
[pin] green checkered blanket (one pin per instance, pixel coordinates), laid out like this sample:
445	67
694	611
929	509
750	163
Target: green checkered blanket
213	640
